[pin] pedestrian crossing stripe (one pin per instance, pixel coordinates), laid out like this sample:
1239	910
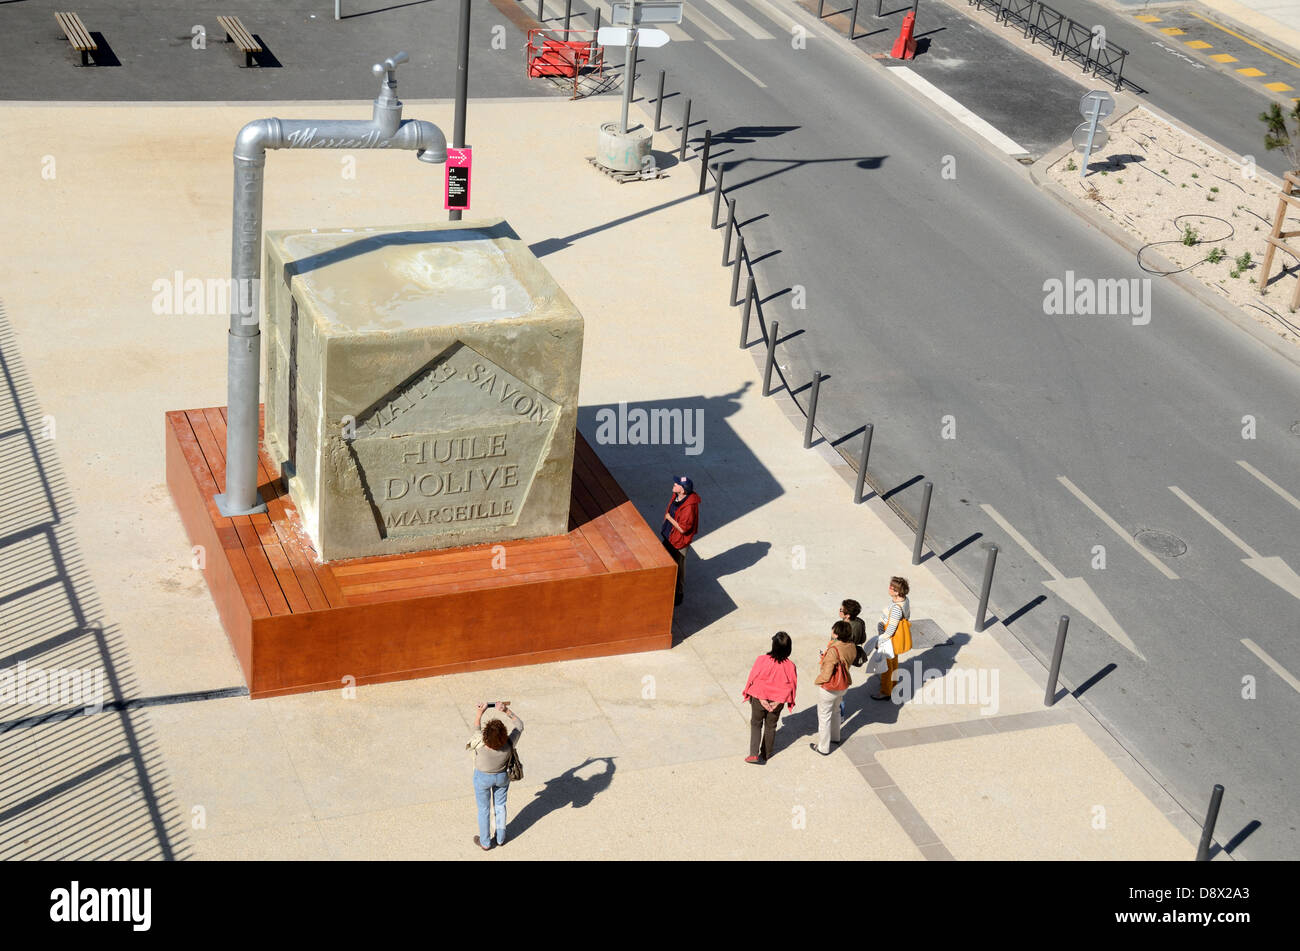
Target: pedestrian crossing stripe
1224	58
708	25
1197	44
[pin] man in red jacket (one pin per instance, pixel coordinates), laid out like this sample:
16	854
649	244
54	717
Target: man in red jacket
681	521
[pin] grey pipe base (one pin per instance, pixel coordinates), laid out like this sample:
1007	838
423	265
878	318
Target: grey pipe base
223	506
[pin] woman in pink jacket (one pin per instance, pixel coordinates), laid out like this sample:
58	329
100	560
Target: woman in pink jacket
771	686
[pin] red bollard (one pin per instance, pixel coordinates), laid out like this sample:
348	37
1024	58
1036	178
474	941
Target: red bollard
905	45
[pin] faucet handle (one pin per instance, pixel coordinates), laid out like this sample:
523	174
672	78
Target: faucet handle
390	65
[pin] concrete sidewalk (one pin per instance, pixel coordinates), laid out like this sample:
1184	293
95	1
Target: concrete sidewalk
630	757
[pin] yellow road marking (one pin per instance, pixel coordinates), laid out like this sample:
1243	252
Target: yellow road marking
1251	71
1147	18
1278	87
1171	30
1265	49
1223	58
1197	44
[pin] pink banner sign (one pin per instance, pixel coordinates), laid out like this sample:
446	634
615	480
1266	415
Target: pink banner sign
456	194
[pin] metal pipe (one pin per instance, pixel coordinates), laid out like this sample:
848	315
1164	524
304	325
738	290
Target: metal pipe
1049	696
853	22
1207	830
812	409
735	271
750	291
717	195
659	101
862	463
920	525
462	89
726	234
568	14
385	130
771	358
686	131
704	159
985	588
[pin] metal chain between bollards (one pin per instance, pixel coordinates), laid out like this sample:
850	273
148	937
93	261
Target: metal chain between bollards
920	525
862	463
1049	698
771	358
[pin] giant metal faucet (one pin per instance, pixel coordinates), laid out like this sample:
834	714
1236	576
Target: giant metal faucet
386	130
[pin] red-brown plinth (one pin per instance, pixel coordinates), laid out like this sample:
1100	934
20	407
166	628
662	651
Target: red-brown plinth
297	624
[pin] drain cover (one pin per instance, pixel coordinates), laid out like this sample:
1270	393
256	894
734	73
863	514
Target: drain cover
1295	427
1161	543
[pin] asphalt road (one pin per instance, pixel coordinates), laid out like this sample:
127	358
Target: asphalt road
926	305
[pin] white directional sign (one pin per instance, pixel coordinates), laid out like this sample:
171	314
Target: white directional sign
620	36
1089	101
645	11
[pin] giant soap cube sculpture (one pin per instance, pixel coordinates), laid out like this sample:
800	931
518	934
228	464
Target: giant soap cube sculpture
422	386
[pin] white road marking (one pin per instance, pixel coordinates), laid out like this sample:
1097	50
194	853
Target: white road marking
697	18
1219	526
1073	591
1115	527
1272	567
963	115
777	15
742	21
1277	668
742	69
1269	482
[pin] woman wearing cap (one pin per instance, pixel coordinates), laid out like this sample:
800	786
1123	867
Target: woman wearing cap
680	523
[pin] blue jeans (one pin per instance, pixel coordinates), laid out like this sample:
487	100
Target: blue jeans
491	788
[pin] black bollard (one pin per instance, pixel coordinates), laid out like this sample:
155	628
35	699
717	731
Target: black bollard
659	101
985	588
920	525
820	5
1049	697
771	358
540	11
853	21
744	318
812	410
686	131
726	235
704	160
568	15
735	269
862	464
717	195
1207	830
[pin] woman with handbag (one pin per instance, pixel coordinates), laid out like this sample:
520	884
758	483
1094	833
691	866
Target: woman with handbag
893	638
832	680
495	760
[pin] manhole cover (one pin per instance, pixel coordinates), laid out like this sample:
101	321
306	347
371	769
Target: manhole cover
1161	543
1295	427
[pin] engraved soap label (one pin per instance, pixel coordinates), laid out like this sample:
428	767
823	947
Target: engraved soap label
454	447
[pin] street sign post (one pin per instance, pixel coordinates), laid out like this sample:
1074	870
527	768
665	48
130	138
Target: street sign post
638	12
1089	135
620	36
629	16
456	193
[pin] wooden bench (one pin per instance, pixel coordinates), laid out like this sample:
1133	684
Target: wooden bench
77	35
238	34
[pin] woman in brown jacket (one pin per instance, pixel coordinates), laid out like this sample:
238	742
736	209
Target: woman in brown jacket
832	680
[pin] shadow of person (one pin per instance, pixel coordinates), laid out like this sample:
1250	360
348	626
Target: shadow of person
567	789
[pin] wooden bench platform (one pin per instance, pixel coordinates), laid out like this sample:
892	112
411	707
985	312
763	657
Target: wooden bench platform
77	35
297	624
236	33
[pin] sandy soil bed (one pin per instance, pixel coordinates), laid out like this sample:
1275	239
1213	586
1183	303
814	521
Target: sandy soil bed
1192	206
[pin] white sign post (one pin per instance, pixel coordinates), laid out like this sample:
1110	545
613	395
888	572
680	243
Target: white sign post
1093	106
627	19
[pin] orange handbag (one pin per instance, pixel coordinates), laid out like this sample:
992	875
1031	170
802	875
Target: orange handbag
902	637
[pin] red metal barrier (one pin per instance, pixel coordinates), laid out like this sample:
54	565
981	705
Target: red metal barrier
563	53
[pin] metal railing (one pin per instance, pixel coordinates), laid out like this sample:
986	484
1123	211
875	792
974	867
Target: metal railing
1070	39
